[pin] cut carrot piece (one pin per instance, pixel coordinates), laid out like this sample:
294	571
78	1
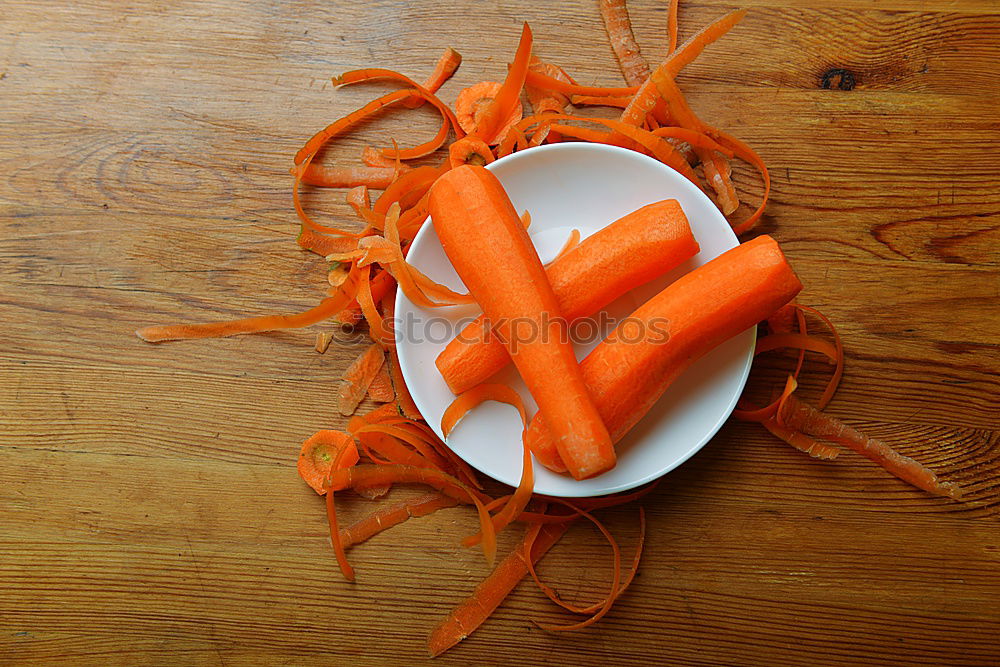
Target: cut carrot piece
386	518
482	236
470	150
323	342
381	390
614	13
629	371
472	103
320	452
627	253
358	377
470	614
799	416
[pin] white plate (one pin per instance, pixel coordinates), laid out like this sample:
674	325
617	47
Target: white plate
582	186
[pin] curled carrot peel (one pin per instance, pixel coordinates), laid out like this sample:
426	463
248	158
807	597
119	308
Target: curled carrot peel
331	514
590	609
672	26
358	377
470	150
362	476
605	606
446	65
472	104
542	100
546	82
458	409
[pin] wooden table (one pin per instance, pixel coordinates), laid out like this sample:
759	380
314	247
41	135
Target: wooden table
150	512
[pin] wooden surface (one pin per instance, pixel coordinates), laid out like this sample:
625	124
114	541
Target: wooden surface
150	512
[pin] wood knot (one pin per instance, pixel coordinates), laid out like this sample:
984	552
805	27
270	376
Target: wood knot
837	77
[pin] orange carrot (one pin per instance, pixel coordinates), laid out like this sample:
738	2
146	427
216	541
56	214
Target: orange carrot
320	451
482	236
323	244
617	101
472	103
470	614
614	13
381	390
358	377
629	371
403	399
627	253
801	442
385	518
331	514
546	82
507	99
543	100
800	416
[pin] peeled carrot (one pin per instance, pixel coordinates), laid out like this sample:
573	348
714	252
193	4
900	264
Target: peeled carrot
627	253
629	371
320	451
614	13
483	237
358	377
470	614
800	416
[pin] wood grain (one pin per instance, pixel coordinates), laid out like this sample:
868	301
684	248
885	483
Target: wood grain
151	513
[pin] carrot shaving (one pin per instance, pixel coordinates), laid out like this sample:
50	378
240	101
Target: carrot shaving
323	342
446	65
800	416
614	13
470	614
476	396
672	26
546	82
543	100
331	514
802	442
348	177
386	518
358	377
376	326
590	609
470	150
380	390
605	605
322	244
494	118
471	106
617	101
572	242
403	399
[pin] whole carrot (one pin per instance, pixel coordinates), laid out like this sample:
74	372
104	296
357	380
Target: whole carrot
627	253
492	253
629	371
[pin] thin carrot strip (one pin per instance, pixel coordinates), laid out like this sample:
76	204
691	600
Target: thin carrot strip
614	13
383	519
361	476
331	515
507	98
694	138
838	349
717	173
803	417
546	82
381	285
323	244
473	102
348	177
572	242
418	442
413	179
605	606
801	441
798	341
403	399
672	26
446	65
491	592
326	309
749	155
543	100
590	609
617	101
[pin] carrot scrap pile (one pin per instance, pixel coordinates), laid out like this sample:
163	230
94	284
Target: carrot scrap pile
392	444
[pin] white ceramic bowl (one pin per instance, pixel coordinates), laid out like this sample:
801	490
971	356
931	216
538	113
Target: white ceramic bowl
586	187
